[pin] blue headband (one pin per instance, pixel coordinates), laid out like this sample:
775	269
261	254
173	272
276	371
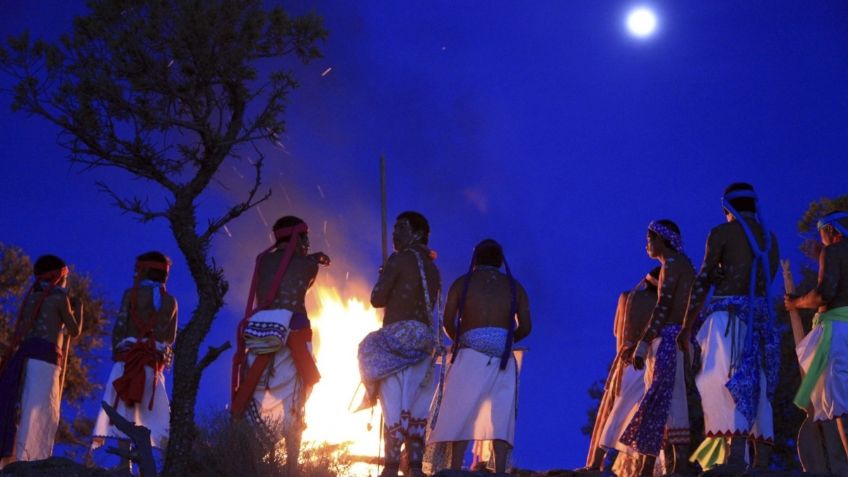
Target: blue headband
740	194
833	221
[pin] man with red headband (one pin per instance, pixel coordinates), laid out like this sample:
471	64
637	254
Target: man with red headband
144	331
625	385
735	333
396	362
273	368
480	389
663	414
31	370
823	353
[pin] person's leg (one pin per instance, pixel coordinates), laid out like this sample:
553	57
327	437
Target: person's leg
608	462
458	449
648	463
501	450
840	424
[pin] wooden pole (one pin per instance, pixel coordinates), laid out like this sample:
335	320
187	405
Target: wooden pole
383	213
794	318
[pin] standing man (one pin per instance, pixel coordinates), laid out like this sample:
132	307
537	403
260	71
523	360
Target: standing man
273	368
824	351
31	373
663	412
480	394
736	333
396	361
144	331
626	384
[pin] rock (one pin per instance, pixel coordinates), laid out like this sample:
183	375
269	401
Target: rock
58	467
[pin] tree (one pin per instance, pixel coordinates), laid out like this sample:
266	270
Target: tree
15	278
167	91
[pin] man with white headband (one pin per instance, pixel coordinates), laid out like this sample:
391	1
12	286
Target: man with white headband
31	370
735	333
396	362
144	332
485	313
273	367
625	385
663	415
823	353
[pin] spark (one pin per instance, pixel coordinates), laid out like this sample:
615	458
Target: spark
325	227
347	275
261	215
286	194
320	191
170	63
227	231
327	71
237	172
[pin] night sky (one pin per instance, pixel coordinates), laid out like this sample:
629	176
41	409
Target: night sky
543	125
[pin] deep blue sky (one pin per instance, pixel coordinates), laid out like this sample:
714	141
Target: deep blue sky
541	124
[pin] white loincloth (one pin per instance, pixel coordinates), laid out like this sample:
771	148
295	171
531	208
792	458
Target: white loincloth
830	396
405	398
721	418
157	419
41	397
479	400
625	406
278	401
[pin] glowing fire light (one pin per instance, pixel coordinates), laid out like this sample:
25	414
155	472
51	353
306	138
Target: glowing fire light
339	325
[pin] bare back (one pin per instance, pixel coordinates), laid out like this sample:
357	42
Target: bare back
399	289
297	280
55	314
165	317
487	304
728	250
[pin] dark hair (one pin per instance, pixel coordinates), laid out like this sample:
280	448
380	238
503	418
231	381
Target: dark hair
669	225
47	263
655	273
418	223
285	222
488	252
742	204
154	274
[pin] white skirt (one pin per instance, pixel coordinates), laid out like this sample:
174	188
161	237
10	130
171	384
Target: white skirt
41	397
625	406
830	396
721	418
157	419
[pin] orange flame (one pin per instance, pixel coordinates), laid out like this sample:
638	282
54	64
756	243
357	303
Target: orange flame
339	325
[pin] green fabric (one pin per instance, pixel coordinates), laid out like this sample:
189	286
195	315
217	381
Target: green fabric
822	356
710	453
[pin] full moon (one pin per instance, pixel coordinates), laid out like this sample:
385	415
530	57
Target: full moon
641	22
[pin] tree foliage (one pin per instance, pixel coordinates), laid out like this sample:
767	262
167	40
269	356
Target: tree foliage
80	381
167	91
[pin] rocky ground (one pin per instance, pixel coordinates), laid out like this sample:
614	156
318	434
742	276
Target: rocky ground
62	467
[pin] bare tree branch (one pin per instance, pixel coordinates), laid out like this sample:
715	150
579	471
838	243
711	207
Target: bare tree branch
212	354
133	205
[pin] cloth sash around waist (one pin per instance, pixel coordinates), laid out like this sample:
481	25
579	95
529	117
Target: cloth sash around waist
488	340
11	382
821	358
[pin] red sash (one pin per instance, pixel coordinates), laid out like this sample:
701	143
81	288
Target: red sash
242	390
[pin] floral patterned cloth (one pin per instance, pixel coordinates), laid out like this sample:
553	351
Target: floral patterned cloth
761	353
647	428
389	350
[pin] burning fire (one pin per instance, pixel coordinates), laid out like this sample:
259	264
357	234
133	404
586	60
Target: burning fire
340	324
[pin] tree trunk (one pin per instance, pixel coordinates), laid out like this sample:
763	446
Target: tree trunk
211	288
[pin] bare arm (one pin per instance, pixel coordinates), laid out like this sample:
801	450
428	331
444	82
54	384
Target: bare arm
172	325
669	276
825	288
452	307
702	283
73	323
386	282
524	323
